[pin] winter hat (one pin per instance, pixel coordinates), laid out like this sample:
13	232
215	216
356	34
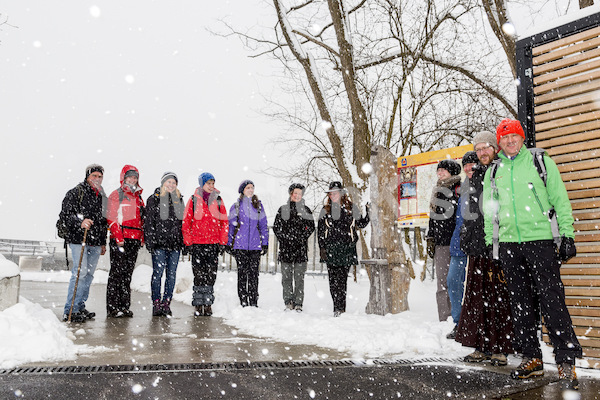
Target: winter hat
168	175
470	157
450	165
294	186
508	126
90	169
131	172
205	177
485	137
335	186
243	185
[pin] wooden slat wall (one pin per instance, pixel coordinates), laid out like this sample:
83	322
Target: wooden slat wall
566	76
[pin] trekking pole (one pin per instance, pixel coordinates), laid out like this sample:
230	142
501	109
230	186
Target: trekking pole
78	270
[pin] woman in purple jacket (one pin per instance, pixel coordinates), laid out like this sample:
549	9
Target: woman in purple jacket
248	240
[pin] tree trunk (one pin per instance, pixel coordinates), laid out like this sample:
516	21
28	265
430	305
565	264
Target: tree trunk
585	3
361	150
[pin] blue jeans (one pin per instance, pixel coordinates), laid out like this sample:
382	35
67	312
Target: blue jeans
162	260
455	281
86	275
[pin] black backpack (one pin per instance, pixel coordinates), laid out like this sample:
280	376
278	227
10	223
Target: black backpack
61	224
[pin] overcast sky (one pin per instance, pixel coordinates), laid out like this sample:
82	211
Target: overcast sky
128	82
137	82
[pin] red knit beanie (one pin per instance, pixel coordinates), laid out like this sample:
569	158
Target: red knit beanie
508	126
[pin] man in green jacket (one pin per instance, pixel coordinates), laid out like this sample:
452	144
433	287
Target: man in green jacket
521	204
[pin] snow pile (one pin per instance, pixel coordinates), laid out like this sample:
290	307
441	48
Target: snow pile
30	333
8	268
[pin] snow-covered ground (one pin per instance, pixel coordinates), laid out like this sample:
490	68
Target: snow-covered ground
29	333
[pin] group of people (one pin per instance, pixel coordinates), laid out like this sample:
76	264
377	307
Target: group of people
203	228
499	221
512	220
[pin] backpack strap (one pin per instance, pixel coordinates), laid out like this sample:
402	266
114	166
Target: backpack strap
538	161
540	165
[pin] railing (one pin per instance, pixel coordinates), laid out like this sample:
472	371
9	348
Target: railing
11	248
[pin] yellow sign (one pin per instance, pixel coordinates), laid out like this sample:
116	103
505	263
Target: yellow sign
416	179
433	156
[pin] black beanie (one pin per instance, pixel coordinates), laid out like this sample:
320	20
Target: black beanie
470	157
90	169
294	186
450	165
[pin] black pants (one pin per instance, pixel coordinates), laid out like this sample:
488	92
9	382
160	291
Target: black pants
338	285
205	262
535	265
247	266
122	263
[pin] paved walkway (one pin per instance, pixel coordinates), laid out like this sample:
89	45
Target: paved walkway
199	357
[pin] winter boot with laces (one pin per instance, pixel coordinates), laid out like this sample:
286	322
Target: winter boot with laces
156	309
499	360
529	367
476	357
567	376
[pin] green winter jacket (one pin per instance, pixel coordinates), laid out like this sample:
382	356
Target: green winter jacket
524	200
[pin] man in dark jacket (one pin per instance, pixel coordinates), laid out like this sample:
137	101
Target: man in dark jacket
83	210
293	226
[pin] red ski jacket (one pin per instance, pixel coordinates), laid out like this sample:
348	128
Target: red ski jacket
204	223
125	211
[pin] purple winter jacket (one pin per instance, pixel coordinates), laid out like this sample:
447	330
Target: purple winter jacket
252	233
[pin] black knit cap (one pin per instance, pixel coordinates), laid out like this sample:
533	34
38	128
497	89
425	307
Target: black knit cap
335	186
294	186
90	169
450	165
470	157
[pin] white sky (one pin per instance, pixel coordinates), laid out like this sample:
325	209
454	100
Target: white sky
138	82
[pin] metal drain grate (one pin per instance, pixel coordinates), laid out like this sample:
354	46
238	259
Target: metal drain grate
220	366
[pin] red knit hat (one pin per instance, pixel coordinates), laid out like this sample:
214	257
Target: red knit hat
508	126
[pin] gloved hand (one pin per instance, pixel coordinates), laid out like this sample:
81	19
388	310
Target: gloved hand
185	250
265	249
567	249
221	249
322	255
228	249
430	247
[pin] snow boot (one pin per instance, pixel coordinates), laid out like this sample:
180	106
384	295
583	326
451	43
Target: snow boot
529	367
88	314
207	311
156	309
567	377
199	312
166	307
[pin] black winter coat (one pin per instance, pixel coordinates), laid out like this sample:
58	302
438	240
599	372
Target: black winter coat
338	234
442	227
80	203
472	235
293	229
162	222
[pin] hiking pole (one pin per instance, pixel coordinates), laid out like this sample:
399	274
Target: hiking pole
78	271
